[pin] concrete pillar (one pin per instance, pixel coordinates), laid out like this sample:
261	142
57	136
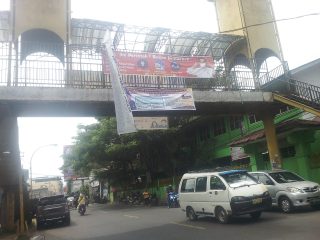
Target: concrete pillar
9	207
10	166
272	141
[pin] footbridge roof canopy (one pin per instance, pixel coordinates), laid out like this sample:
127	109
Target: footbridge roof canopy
147	39
86	33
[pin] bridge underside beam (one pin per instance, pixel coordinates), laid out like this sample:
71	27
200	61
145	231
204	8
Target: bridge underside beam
99	102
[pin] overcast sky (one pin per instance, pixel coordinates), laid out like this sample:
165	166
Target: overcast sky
299	39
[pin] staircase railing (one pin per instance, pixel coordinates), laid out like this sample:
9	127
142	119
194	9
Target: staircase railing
304	91
289	87
276	73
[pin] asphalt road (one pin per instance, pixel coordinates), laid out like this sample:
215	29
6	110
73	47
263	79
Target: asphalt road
161	223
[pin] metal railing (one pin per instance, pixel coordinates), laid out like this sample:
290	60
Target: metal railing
304	92
276	74
82	68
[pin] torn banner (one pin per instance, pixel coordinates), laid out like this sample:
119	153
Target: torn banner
125	122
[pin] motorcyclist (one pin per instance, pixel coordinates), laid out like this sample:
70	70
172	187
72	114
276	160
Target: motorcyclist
81	201
146	197
169	192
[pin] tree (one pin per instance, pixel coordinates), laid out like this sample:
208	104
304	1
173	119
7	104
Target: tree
122	159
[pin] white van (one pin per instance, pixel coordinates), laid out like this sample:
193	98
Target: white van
222	195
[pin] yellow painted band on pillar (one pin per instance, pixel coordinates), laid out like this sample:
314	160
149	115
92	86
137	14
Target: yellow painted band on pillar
272	142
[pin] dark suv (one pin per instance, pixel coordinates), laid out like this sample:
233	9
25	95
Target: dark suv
52	209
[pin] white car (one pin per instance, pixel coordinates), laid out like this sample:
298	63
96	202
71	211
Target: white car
288	190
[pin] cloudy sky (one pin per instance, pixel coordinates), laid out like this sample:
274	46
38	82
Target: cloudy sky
299	38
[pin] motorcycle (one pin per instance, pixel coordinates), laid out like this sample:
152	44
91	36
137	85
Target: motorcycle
173	200
82	209
70	201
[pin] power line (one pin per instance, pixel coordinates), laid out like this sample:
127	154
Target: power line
273	21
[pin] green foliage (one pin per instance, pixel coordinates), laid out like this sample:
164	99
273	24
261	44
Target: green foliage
120	160
85	190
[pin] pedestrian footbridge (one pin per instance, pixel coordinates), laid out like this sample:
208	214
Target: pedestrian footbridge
52	65
42	75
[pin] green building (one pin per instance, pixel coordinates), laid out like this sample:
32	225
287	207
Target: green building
240	142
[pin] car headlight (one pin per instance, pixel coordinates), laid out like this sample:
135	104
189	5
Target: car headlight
294	190
239	199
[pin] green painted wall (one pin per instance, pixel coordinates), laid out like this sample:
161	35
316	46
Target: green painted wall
305	161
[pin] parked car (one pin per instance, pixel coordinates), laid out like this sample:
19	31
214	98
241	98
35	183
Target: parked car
52	209
222	195
288	190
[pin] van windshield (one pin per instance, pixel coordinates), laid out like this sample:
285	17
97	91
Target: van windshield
239	179
285	177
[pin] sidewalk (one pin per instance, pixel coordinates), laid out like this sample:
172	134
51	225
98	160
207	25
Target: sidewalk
16	237
30	234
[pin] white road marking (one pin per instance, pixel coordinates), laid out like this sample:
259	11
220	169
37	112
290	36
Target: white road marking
131	216
189	226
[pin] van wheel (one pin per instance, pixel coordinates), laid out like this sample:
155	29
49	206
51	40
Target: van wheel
222	215
255	215
191	214
285	204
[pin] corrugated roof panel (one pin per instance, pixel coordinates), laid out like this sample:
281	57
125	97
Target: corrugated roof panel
134	38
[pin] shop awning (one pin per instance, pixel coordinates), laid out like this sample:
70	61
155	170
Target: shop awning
292	125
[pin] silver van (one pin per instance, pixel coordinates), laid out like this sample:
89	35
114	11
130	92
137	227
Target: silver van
288	190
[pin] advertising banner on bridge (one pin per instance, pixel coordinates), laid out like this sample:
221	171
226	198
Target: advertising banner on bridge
162	65
156	99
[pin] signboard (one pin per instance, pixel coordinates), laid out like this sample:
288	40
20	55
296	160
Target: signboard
155	99
151	123
162	64
68	173
237	153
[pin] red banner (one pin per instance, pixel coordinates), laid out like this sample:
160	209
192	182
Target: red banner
162	65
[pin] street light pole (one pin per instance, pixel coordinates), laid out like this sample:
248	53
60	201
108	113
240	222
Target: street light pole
34	152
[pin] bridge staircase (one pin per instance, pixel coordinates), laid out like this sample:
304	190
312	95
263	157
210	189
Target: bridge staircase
290	91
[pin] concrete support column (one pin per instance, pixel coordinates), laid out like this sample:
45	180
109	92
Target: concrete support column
10	168
272	141
9	211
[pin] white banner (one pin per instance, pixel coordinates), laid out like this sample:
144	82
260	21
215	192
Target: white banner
125	122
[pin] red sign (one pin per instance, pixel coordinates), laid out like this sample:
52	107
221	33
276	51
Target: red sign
162	65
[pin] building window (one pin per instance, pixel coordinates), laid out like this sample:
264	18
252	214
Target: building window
235	122
288	152
219	127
